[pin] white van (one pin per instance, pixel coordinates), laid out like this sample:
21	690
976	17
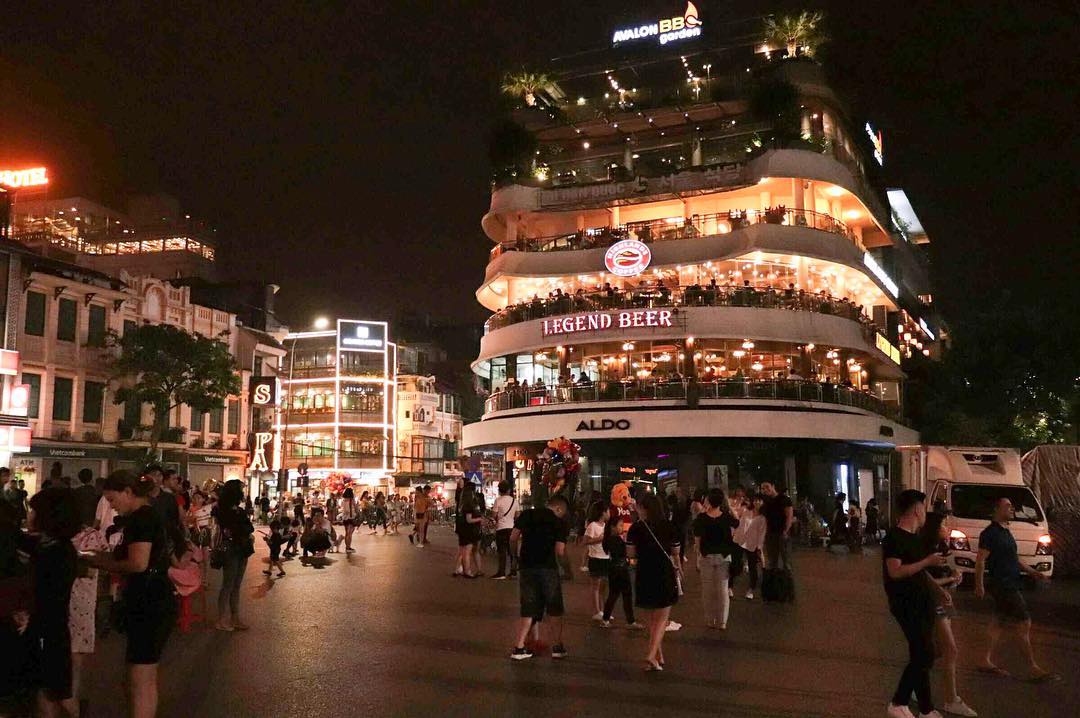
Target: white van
967	482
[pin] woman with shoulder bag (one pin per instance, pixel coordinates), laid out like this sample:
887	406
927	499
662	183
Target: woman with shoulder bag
653	544
234	542
148	603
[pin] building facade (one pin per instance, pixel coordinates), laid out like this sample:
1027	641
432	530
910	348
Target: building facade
62	314
699	293
338	418
429	432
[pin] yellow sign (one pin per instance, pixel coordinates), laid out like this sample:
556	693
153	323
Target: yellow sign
887	348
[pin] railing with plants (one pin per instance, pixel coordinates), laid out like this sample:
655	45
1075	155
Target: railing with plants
681	389
660	296
670	228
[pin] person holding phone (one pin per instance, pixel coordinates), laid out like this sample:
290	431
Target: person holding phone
149	605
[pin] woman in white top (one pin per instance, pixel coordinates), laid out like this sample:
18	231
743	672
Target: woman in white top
751	536
506	510
599	560
349	514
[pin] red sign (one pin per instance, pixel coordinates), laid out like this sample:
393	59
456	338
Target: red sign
598	321
33	177
627	258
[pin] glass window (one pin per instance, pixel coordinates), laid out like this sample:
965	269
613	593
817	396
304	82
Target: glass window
197	418
129	325
93	399
62	387
217	420
132	414
66	320
976	501
34	400
95	329
234	416
35	314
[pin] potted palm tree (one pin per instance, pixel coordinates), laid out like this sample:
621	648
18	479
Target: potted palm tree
800	34
526	84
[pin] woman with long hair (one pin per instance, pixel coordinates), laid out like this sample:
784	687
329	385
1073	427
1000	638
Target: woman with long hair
654	545
235	535
468	530
713	537
149	606
598	559
350	516
935	536
380	513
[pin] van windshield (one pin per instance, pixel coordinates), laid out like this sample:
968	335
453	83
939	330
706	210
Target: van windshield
976	501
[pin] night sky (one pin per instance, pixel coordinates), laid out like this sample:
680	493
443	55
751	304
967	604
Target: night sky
341	147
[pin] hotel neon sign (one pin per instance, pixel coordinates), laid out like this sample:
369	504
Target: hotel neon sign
599	321
18	179
668	29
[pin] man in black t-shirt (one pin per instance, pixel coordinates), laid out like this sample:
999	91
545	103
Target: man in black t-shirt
539	538
779	515
999	559
911	600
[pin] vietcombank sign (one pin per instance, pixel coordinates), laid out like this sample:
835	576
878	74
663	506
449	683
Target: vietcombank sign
665	30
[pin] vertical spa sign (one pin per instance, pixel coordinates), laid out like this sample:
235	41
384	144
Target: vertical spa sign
665	30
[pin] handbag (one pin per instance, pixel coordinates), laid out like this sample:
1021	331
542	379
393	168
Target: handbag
674	567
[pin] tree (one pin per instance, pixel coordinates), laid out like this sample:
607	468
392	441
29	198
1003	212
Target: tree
777	103
526	84
164	366
797	33
511	147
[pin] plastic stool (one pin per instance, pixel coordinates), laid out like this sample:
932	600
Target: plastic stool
186	617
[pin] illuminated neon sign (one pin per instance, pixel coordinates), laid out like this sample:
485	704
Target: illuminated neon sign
16	179
668	29
258	452
627	258
886	348
878	142
874	267
598	321
925	328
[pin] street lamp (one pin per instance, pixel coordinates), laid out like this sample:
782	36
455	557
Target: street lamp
321	323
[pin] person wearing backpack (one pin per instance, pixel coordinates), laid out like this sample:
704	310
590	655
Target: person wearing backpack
506	509
234	542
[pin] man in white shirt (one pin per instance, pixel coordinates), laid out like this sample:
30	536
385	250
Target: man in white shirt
506	509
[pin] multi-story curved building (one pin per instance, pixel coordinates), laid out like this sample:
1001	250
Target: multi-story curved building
698	275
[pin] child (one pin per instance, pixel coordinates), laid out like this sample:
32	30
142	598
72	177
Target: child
293	537
274	541
598	558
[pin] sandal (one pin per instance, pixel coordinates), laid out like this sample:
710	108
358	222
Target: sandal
1047	677
993	671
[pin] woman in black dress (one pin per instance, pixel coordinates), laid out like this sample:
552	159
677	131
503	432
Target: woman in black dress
149	605
654	544
53	520
467	527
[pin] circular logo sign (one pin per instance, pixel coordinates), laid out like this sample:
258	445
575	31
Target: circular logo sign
627	258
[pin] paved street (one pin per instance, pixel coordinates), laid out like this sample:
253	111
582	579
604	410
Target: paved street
387	631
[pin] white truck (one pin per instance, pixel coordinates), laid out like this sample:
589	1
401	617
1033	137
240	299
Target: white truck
966	482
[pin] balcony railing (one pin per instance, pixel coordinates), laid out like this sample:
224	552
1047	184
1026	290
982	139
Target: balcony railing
709	295
671	228
620	391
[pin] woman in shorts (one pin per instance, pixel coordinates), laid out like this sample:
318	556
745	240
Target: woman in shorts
599	560
350	516
149	607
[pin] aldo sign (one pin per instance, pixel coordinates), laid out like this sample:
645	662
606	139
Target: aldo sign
604	425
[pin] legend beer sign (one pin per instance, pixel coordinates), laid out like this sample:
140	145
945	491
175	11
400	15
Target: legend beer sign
599	321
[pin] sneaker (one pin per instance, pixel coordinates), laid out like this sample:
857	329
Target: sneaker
959	708
894	711
635	626
281	574
598	616
558	651
605	623
520	654
499	577
750	595
673	626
